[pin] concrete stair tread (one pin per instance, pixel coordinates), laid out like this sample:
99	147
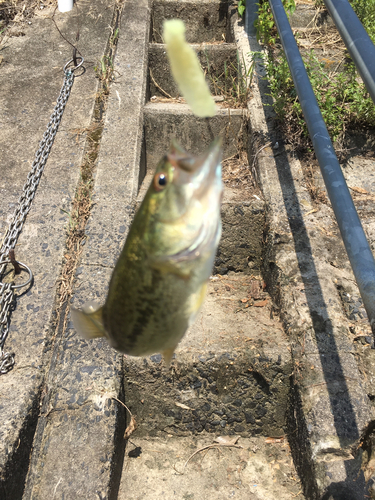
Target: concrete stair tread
256	471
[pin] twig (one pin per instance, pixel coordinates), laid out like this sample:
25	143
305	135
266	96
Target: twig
255	158
208	447
158	86
132	425
257	153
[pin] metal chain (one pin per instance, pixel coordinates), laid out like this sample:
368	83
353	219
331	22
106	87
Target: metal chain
7	290
6	301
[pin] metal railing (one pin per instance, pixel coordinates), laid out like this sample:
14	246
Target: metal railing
352	233
356	39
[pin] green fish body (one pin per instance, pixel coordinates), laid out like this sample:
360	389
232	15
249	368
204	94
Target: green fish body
159	281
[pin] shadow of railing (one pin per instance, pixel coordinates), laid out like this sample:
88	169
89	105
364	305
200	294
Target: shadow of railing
342	410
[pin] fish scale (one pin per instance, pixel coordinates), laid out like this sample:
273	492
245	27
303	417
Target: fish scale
149	311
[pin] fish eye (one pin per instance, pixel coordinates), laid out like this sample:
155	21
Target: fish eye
160	181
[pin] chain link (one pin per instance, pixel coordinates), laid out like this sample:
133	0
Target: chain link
7	295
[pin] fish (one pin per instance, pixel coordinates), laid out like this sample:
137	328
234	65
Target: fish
159	282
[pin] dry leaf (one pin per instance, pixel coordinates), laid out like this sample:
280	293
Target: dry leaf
313	211
227	440
130	428
359	190
184	407
261	303
272	440
369	471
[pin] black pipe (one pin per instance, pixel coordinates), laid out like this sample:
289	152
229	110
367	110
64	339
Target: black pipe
356	39
356	244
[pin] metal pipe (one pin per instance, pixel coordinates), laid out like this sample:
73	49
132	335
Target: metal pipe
356	39
356	244
251	16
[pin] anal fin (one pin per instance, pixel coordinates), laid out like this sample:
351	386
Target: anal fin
168	354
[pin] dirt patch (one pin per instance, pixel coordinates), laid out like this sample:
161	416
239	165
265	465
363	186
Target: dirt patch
15	14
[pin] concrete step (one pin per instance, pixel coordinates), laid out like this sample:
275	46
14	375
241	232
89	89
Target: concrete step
230	373
315	30
164	121
206	21
154	468
219	62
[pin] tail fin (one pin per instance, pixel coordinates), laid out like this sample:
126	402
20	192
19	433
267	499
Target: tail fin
89	321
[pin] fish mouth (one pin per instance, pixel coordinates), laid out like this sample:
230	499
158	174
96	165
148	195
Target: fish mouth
199	178
201	172
177	156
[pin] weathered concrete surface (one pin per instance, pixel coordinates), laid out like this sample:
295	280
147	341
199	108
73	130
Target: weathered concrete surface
230	374
244	473
307	16
31	78
77	431
241	244
79	417
329	408
219	63
211	15
316	31
164	121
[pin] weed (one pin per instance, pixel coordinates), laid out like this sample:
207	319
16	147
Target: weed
265	24
343	99
114	37
241	6
365	10
233	82
72	221
104	71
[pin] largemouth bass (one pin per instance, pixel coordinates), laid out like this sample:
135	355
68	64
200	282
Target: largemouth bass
160	279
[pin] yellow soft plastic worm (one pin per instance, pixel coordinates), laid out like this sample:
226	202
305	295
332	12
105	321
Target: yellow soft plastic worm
187	71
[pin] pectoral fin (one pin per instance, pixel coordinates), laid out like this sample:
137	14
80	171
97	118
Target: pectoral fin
89	322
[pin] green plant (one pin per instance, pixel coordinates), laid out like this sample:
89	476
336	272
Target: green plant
241	6
104	70
234	81
365	10
265	25
343	99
